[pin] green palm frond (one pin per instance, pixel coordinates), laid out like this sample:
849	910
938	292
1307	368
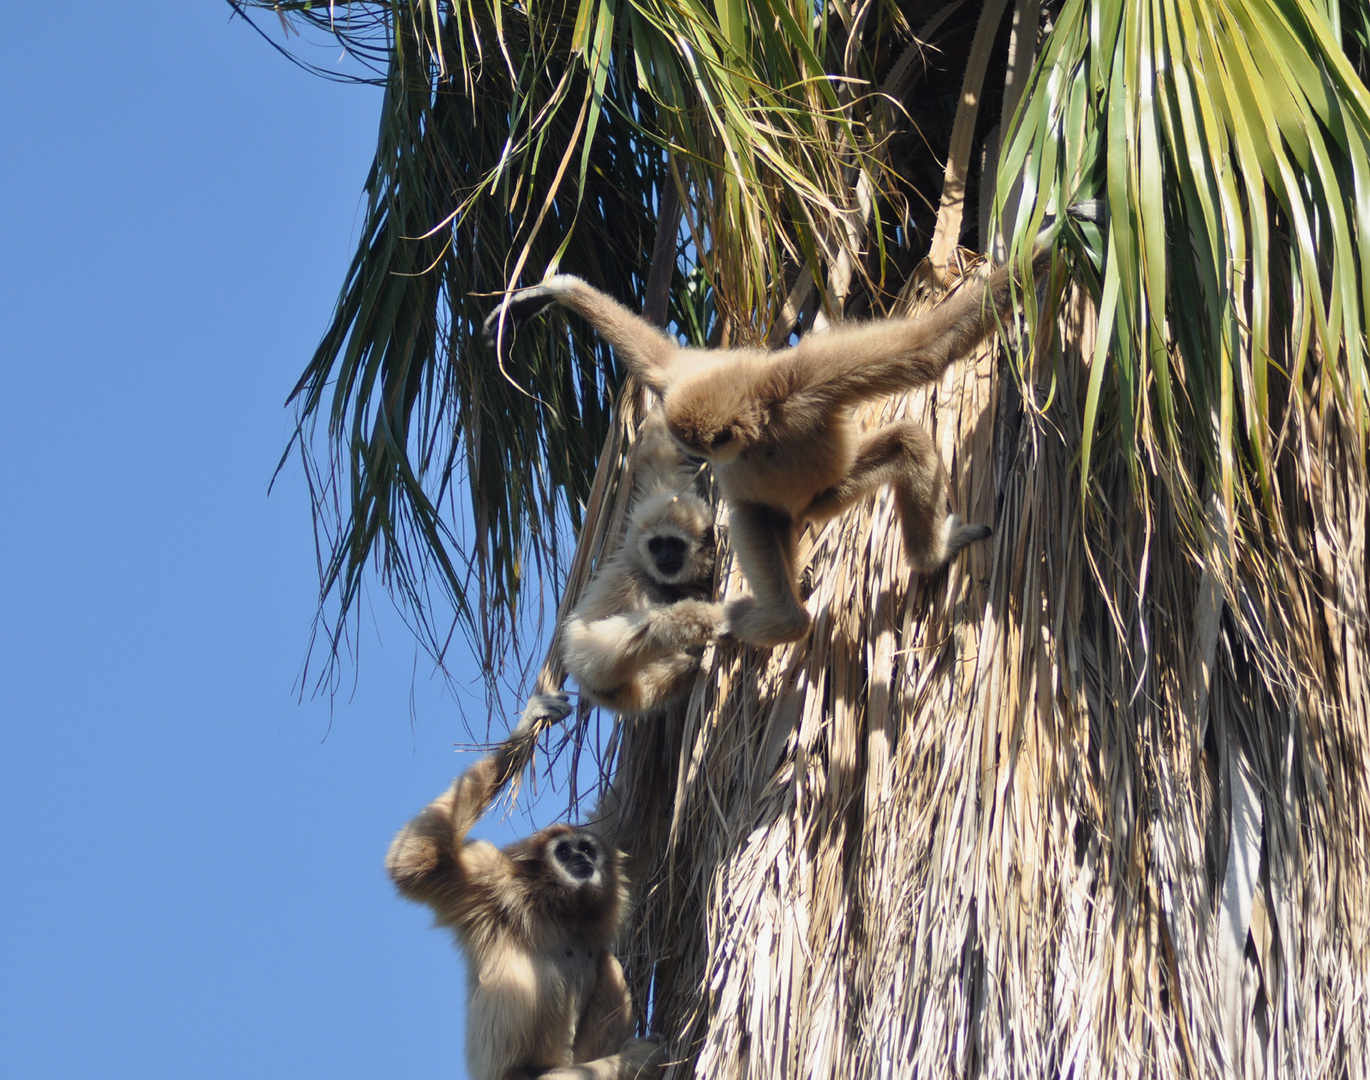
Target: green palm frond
445	465
517	139
1232	143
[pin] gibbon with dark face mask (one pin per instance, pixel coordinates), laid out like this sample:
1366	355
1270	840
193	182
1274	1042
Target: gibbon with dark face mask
546	996
634	639
777	427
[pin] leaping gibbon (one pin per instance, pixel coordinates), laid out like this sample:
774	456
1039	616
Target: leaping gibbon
777	426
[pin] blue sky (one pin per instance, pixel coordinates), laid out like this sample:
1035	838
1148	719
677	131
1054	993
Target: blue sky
192	882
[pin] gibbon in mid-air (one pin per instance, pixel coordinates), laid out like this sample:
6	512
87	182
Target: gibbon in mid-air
777	427
546	996
634	639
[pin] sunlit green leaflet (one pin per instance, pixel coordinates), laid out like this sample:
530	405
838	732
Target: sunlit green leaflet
1225	136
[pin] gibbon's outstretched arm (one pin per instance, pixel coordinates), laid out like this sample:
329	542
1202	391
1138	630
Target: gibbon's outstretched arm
546	996
431	860
644	349
889	356
635	660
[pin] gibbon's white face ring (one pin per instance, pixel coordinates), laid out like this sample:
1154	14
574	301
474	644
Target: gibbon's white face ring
683	549
576	857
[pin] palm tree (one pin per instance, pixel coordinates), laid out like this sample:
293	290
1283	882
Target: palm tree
1094	801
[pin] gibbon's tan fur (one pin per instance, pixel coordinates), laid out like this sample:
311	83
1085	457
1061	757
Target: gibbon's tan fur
634	639
777	426
546	996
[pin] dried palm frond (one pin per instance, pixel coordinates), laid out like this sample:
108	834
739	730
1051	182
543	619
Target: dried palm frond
1097	807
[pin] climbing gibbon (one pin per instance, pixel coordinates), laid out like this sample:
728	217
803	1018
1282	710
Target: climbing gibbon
634	639
778	429
546	996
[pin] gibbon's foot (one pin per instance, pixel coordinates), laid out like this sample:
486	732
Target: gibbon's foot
956	535
748	621
520	307
551	708
1094	211
960	535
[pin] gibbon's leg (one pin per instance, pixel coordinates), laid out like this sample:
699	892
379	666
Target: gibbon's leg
763	540
642	347
607	1022
608	653
931	535
884	456
904	456
657	683
639	1058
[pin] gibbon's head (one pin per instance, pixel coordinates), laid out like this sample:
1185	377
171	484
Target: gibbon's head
671	537
577	857
573	872
716	415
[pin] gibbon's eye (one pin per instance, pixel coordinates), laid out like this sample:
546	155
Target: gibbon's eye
563	851
586	848
723	438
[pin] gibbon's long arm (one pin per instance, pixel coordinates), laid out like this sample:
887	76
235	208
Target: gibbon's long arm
431	858
902	354
898	354
606	1022
647	351
908	352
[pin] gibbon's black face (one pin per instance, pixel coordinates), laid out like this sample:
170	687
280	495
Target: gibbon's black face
577	856
668	554
671	538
